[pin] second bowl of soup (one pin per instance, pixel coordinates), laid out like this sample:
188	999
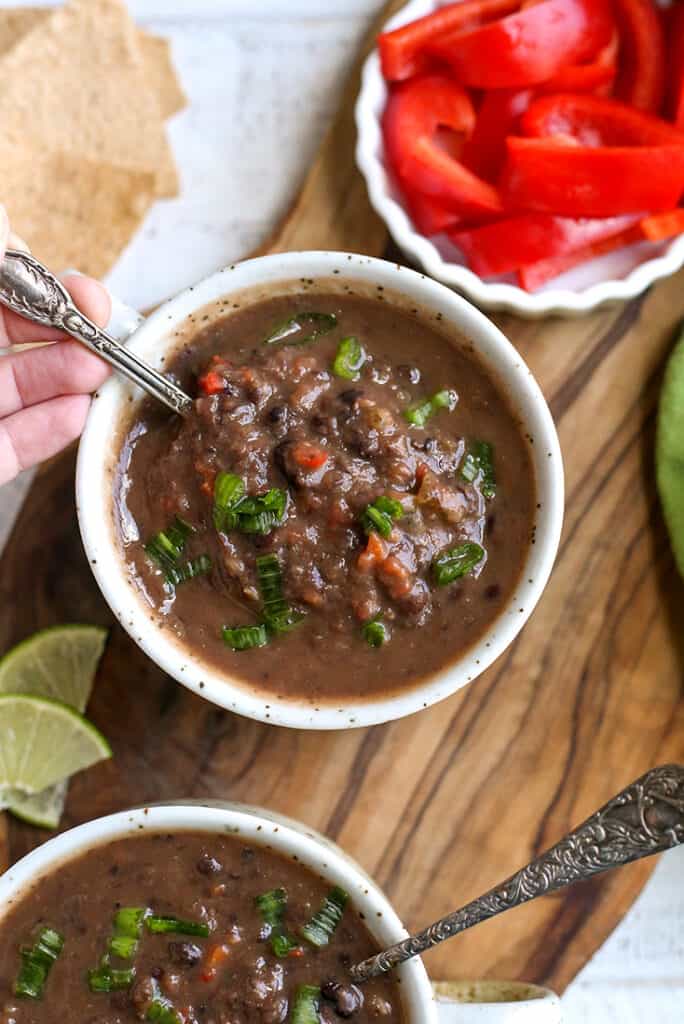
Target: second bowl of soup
358	515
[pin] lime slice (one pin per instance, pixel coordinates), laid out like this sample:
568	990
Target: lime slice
44	809
43	742
59	663
670	450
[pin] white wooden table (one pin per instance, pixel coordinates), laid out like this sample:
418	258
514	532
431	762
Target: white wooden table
262	78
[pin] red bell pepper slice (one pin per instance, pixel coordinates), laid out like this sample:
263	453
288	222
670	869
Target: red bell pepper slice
517	241
641	74
497	117
660	226
584	181
415	113
536	274
675	91
596	121
429	216
402	51
596	75
528	47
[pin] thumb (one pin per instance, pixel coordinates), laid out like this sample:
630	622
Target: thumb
4	230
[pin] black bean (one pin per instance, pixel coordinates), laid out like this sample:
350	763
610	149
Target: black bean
247	853
347	999
184	953
492	591
277	413
408	373
208	865
351	395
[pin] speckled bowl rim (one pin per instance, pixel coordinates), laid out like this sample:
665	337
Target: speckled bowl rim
93	490
420	249
256	825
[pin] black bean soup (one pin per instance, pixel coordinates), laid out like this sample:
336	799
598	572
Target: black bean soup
187	929
346	510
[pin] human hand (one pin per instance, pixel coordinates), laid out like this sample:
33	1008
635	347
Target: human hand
45	392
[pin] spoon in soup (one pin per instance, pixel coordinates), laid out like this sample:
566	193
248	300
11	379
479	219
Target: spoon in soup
645	818
29	289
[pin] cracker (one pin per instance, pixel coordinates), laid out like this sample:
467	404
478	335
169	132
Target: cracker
15	22
72	212
77	83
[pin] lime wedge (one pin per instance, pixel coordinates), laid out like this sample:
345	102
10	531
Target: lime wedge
670	450
43	742
59	663
44	809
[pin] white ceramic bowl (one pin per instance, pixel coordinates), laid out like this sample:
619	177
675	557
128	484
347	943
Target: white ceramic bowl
618	276
157	338
522	1004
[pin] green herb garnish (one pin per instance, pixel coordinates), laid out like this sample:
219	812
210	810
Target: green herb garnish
306	1003
279	616
126	931
110	979
162	1009
375	633
166	547
478	467
349	359
271	905
457	562
319	930
380	515
243	638
228	491
36	963
418	415
175	926
321	323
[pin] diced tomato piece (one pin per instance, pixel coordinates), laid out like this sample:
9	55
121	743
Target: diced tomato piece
641	64
402	51
374	553
309	456
211	383
529	46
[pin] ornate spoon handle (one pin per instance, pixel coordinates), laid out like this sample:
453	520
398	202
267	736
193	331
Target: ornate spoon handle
28	288
645	818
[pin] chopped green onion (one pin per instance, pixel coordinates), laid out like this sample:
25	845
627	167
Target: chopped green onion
123	946
282	945
457	562
319	930
109	979
228	491
195	567
242	638
271	905
306	1003
234	511
36	962
279	616
379	515
418	415
162	1009
375	633
349	359
478	467
166	547
321	323
175	926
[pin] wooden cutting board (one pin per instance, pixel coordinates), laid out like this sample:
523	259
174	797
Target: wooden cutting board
442	805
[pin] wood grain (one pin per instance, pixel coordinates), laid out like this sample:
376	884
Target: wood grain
588	697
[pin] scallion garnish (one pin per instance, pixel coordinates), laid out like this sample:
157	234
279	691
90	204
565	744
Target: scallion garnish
36	962
166	547
243	638
319	930
375	633
279	616
306	1005
175	926
321	323
110	979
418	415
234	511
478	467
161	1009
380	515
349	359
457	562
195	567
271	905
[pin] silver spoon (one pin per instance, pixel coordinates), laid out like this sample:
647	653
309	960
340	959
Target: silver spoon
29	289
645	818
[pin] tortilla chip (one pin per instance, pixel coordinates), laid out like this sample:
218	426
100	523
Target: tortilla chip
72	212
77	82
15	22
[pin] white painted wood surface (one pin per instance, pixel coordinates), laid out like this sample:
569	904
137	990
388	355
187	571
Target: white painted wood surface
262	79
